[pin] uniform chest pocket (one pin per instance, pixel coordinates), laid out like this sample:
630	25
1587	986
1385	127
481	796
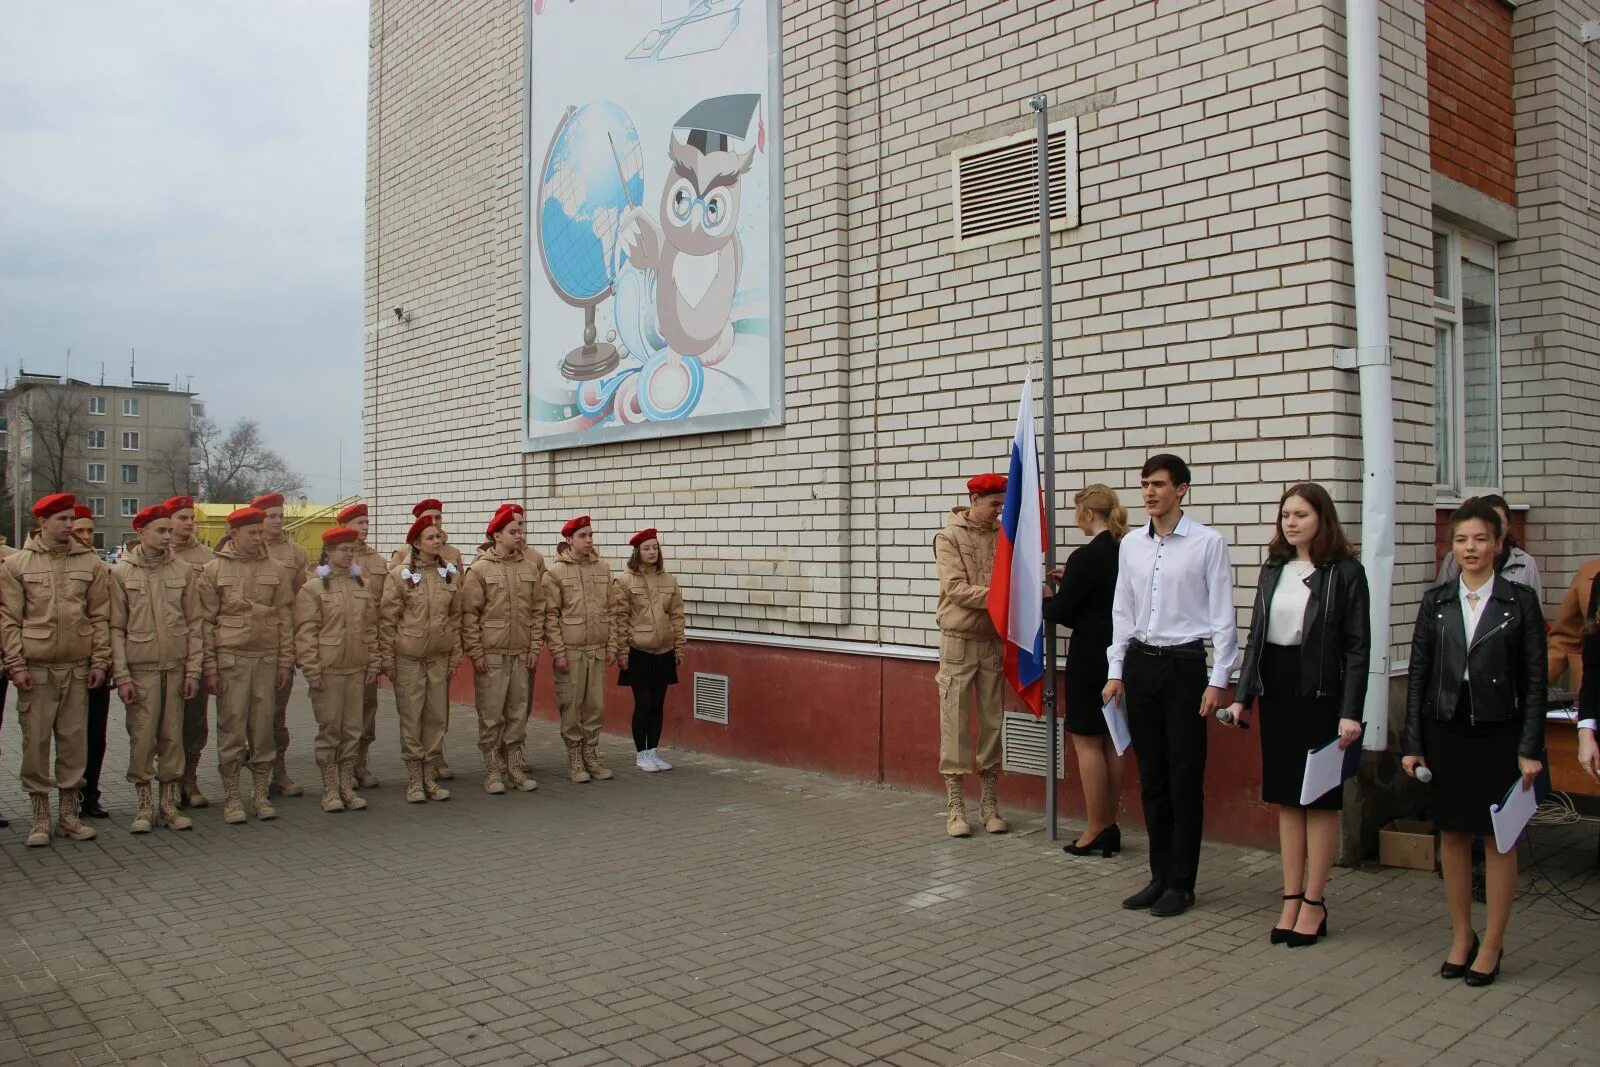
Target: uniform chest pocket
266	587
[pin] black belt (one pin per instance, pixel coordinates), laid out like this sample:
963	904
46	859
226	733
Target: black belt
1187	650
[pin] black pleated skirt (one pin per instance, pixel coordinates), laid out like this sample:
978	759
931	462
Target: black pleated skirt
1085	679
1473	765
650	669
1291	726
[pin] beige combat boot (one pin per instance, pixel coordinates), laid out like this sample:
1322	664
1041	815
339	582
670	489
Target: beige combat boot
989	807
331	801
190	795
67	824
575	769
171	817
955	820
144	819
364	776
592	764
232	806
347	787
430	781
441	769
281	782
491	773
259	804
39	835
415	794
515	771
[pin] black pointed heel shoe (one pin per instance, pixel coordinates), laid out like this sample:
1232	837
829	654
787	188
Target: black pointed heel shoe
1452	971
1107	842
1280	936
1298	940
1479	979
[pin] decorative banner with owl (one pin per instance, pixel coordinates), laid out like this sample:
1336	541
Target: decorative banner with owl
654	262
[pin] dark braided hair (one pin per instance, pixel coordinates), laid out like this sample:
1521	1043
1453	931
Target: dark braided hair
326	584
413	564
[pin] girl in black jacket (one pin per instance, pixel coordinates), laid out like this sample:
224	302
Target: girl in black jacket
1306	666
1475	718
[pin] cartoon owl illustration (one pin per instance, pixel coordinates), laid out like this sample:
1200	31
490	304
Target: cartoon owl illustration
694	249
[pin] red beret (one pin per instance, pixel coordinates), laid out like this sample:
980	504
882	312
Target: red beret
517	508
82	511
50	505
422	523
984	484
646	534
574	525
269	500
246	517
175	504
340	535
354	511
429	504
503	518
151	514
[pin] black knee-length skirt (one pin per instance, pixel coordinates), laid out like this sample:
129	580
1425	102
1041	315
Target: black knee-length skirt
649	669
1473	765
1292	725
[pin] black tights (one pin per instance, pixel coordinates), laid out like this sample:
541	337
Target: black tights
648	702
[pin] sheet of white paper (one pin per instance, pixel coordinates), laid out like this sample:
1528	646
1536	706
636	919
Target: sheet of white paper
1511	815
1117	722
1324	771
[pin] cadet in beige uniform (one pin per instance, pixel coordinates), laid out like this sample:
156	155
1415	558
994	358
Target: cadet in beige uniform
187	548
580	646
970	656
245	603
374	569
336	643
502	627
156	648
287	553
448	554
419	646
55	610
649	640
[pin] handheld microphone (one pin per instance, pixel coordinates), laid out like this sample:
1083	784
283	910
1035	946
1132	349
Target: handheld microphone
1423	774
1225	717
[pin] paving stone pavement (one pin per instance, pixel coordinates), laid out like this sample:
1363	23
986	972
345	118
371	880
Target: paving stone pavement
726	913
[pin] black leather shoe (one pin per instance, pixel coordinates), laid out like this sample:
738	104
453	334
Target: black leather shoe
1172	902
1107	842
1144	897
1280	934
91	809
1298	940
1479	979
1452	971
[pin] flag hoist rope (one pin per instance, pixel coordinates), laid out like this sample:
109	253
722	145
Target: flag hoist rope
1041	108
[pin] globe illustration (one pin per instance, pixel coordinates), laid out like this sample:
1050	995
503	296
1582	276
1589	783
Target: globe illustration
593	173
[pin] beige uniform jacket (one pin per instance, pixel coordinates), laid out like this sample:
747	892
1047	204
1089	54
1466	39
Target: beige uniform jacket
335	626
647	613
374	570
419	616
155	616
245	608
965	554
583	608
55	606
194	553
289	555
503	609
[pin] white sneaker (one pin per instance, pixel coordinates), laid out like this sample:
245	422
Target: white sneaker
655	757
645	763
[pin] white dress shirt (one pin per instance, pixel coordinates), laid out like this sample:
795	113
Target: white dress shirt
1286	615
1472	612
1173	590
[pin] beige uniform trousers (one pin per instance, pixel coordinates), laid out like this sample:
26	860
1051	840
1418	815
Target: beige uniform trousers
338	708
195	732
968	666
244	711
155	726
369	713
422	692
56	708
502	699
581	692
280	718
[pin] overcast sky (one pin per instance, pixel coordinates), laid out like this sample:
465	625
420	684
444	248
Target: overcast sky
185	178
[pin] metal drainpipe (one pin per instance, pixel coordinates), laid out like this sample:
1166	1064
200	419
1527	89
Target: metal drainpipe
1373	355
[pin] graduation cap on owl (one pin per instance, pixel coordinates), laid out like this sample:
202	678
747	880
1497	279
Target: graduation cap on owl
715	123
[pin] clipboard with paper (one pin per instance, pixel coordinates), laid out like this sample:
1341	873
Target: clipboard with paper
1326	769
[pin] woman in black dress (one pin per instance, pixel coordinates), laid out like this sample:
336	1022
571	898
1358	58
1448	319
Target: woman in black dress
1475	709
1083	604
1305	667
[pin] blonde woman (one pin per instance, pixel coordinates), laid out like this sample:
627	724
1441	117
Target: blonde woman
648	640
1082	603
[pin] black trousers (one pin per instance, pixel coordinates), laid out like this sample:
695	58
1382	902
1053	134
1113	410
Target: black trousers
1169	740
99	712
649	703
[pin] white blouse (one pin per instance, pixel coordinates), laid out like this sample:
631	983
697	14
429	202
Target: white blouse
1287	615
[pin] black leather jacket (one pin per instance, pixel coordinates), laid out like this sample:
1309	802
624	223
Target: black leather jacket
1507	663
1336	638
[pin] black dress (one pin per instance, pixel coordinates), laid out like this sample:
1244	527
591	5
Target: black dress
1292	724
1083	603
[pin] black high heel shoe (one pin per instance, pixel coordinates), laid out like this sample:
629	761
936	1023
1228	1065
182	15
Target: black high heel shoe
1298	940
1107	842
1453	971
1479	979
1280	936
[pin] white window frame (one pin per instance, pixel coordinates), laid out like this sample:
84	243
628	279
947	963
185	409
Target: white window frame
88	473
95	439
126	467
130	407
130	506
133	436
97	405
1462	244
97	506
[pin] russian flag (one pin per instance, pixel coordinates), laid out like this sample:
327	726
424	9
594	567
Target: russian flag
1016	590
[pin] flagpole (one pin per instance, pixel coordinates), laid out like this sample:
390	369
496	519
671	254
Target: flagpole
1041	107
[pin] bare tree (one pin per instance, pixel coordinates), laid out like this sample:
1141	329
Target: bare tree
53	423
176	465
236	465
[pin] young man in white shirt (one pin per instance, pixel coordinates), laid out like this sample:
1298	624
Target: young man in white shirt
1174	592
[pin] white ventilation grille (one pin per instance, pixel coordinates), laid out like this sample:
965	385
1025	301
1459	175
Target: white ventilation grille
1025	744
996	186
711	698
